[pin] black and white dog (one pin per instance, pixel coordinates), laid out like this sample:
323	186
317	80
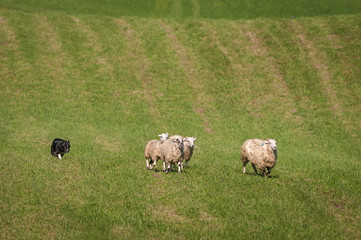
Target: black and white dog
59	147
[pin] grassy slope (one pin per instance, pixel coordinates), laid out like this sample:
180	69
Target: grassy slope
111	84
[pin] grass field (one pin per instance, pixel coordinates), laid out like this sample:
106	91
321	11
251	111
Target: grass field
110	82
214	9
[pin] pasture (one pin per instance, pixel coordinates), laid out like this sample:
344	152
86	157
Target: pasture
110	81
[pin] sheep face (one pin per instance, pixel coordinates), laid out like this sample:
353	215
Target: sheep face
272	143
163	137
190	140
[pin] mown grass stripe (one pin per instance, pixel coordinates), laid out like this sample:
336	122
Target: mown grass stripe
188	63
340	70
141	63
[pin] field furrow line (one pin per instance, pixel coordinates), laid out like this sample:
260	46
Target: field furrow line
188	63
318	61
135	46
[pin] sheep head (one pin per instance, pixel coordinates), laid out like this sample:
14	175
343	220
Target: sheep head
190	140
178	139
272	143
163	137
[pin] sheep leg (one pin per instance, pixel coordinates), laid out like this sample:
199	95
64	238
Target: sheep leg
254	168
183	164
151	162
269	170
244	168
169	167
59	156
146	160
154	163
150	166
180	165
164	166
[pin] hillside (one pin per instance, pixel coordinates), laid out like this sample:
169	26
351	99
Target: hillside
110	84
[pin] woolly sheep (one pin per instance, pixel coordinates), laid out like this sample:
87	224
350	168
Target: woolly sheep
174	137
261	153
188	147
171	151
152	150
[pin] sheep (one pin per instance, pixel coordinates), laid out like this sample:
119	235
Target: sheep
174	137
262	153
152	150
171	151
188	147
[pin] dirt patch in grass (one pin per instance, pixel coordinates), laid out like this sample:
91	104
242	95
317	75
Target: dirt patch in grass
107	145
167	214
206	217
122	232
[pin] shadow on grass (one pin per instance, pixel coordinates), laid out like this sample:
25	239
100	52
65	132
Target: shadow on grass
260	175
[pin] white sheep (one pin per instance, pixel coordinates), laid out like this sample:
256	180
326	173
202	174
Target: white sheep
172	152
262	153
174	137
188	147
152	150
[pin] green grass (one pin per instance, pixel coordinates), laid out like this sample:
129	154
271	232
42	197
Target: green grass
110	84
225	9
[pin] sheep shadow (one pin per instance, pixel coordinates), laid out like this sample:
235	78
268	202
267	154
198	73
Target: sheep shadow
171	171
260	175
